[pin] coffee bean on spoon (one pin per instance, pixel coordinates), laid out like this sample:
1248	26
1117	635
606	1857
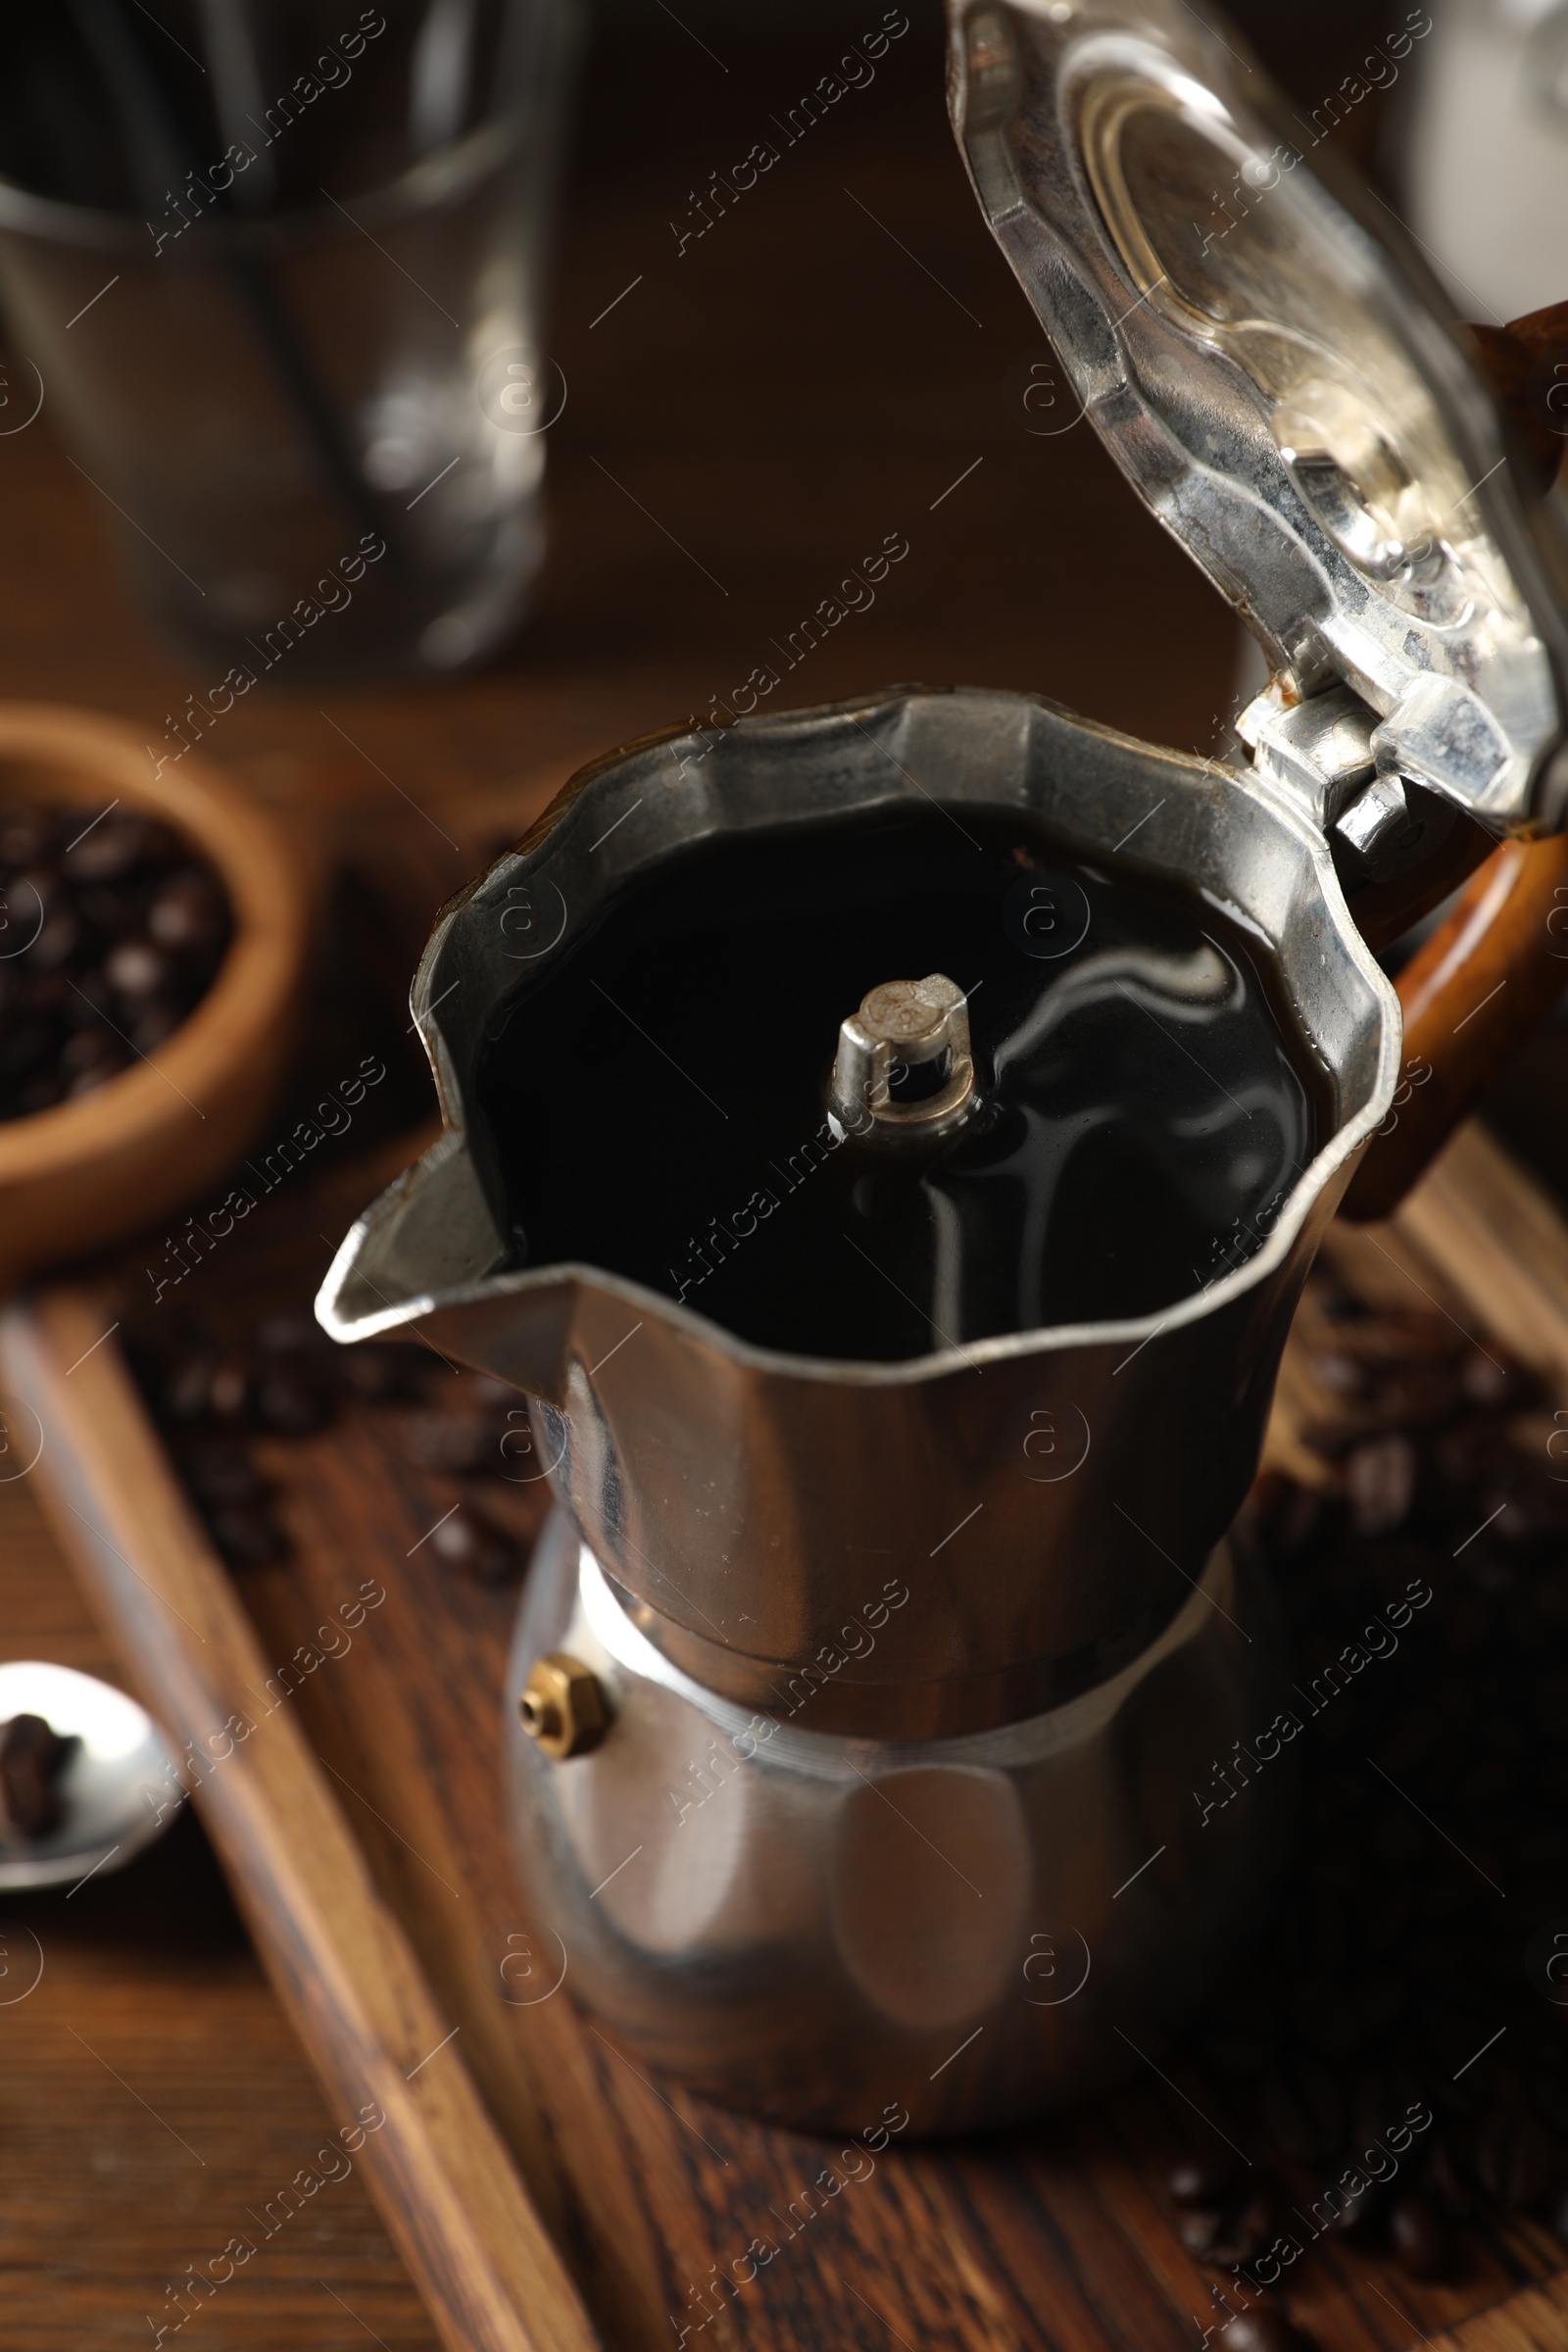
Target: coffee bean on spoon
32	1756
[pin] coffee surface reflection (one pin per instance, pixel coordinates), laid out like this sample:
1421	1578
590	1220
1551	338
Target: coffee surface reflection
659	1103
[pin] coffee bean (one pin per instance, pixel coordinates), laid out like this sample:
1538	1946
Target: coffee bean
136	970
1344	1375
1200	2229
90	1057
222	1474
120	843
476	1545
110	911
1379	1484
1264	2330
187	914
1352	2212
294	1406
249	1536
1421	2244
187	1388
56	943
1495	1382
228	1390
1230	2237
32	1756
111	927
1207	2182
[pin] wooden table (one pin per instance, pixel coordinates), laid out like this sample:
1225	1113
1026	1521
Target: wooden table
834	362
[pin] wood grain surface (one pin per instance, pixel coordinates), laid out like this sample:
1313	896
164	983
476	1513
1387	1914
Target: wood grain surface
153	2096
489	2272
1058	2235
828	366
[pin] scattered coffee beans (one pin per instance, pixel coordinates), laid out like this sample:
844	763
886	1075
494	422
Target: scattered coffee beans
283	1378
1431	1837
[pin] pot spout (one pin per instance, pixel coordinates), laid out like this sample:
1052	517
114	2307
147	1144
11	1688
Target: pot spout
429	1237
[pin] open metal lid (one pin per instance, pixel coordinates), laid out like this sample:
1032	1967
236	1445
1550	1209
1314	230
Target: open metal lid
1279	380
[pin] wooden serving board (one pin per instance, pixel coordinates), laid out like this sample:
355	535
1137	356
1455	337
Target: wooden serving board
542	2190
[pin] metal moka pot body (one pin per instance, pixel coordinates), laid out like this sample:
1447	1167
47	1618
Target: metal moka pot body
976	1601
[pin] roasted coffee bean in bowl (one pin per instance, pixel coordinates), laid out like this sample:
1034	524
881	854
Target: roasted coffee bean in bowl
112	930
153	930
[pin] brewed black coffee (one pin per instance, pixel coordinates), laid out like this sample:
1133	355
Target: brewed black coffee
659	1100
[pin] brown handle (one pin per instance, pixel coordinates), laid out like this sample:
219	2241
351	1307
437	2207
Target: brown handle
1487	975
1524	364
1500	961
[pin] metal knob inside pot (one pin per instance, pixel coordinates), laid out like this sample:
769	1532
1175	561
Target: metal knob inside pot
903	1026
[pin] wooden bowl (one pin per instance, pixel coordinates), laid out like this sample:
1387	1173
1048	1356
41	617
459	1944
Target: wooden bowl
153	1137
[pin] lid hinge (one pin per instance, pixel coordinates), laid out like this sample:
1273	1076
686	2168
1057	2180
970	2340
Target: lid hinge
1317	748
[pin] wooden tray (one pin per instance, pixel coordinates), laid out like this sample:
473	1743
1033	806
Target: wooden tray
541	2189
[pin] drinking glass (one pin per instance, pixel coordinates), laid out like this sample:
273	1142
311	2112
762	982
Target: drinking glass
278	271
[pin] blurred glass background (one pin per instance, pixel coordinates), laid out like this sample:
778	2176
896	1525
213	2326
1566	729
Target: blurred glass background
281	268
